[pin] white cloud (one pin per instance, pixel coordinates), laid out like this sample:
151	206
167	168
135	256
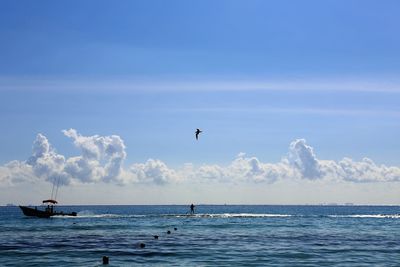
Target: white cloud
16	172
102	159
246	169
302	157
362	171
153	171
46	163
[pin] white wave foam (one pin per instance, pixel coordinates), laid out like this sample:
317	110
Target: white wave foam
63	216
99	215
85	214
379	216
88	214
232	215
108	215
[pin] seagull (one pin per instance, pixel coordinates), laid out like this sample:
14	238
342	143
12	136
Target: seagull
197	133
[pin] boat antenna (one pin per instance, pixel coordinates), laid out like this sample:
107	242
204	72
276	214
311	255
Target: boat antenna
52	190
58	184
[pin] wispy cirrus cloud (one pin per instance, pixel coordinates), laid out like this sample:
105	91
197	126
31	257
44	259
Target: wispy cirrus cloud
124	84
292	110
102	159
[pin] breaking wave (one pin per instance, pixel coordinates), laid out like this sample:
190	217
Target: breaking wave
86	214
231	215
89	214
378	216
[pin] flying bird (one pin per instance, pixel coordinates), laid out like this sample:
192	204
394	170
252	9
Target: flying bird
198	131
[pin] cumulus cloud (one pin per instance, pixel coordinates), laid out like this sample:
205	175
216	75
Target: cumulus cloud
154	171
101	159
360	172
244	169
300	163
302	157
15	172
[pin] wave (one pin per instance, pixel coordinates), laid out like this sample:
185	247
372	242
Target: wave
86	214
106	215
378	216
89	214
232	215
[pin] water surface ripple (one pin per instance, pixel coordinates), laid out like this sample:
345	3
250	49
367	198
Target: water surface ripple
225	235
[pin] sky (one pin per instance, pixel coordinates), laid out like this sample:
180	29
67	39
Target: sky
299	102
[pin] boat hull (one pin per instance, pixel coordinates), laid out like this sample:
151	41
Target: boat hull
34	212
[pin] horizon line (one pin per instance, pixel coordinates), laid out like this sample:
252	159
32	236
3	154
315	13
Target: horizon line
225	204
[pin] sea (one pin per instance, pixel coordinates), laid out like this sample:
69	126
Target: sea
216	235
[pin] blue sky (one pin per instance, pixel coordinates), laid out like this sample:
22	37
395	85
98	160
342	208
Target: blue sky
254	75
178	38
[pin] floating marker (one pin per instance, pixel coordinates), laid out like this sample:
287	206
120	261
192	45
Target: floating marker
175	228
168	232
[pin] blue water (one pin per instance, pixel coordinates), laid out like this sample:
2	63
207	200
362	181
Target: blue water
216	236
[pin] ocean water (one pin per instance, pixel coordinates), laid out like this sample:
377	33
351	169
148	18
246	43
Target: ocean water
225	235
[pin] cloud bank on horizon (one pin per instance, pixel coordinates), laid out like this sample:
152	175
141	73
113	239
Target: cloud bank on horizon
102	159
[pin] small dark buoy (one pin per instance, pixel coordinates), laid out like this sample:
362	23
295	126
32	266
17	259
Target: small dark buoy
142	245
156	237
105	260
175	228
168	232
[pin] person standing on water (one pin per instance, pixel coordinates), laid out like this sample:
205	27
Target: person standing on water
192	209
